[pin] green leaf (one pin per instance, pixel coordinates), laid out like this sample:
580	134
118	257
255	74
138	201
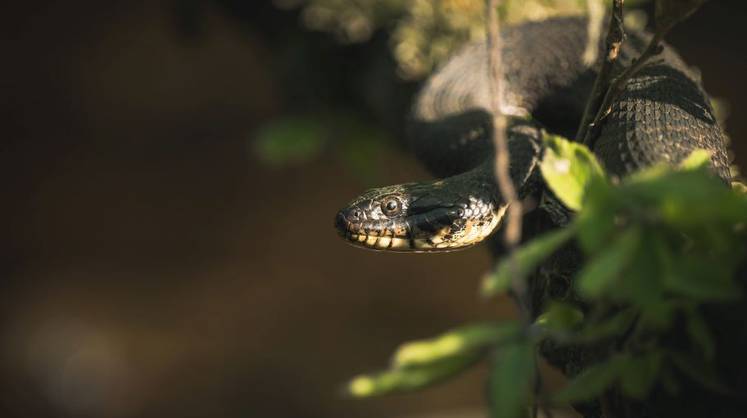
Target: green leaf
460	341
697	278
597	222
408	379
658	316
601	271
698	331
641	284
592	381
697	160
567	167
612	327
511	380
640	374
560	317
699	371
527	258
290	140
683	200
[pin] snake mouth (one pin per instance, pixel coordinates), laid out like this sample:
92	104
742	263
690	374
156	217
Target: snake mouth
388	236
418	233
383	243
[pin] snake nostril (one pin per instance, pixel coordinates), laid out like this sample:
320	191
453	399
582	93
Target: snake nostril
341	222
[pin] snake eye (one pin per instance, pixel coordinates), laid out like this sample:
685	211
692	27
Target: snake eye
391	206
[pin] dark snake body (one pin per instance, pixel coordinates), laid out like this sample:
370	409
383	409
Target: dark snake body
662	115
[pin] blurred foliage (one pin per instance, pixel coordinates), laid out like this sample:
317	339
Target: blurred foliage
426	32
292	140
423	33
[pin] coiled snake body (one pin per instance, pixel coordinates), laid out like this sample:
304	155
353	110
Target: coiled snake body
662	115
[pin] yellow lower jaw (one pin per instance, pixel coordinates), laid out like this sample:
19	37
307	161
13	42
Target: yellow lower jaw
404	244
473	233
380	243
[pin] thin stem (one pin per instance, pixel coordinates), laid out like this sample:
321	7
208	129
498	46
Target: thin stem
618	84
512	235
513	215
614	39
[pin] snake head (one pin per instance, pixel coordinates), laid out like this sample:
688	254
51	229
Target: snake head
421	217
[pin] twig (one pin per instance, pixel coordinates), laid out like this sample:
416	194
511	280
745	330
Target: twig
618	84
614	39
513	214
512	234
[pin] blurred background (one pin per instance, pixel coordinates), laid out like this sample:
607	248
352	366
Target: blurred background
170	173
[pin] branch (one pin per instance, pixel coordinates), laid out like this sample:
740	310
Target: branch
614	39
513	214
668	14
653	48
512	234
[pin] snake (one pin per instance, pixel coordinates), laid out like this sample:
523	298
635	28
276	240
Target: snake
661	115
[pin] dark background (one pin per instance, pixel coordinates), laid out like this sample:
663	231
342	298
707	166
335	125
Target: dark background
152	265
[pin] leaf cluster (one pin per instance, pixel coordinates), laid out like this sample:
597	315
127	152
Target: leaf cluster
659	245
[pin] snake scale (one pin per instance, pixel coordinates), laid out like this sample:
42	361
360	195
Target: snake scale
662	115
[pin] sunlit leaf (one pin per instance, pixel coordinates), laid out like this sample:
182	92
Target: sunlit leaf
697	160
408	379
567	168
526	259
560	317
459	341
511	380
